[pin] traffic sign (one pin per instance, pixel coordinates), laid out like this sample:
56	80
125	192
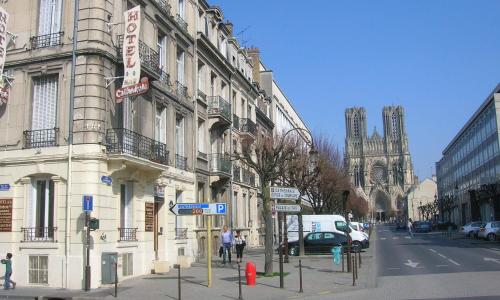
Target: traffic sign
190	209
284	193
88	203
4	187
288	208
106	180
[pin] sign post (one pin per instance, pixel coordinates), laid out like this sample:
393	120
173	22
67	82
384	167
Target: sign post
88	206
203	209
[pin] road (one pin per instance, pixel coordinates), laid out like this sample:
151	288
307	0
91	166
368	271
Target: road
431	266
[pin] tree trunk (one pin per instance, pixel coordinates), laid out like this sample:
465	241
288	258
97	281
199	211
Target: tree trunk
302	250
268	264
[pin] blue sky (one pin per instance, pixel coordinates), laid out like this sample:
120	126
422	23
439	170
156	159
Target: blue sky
437	58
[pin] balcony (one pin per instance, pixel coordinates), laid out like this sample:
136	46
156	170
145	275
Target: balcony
38	234
46	40
202	96
150	59
181	233
180	162
220	110
41	138
124	141
236	174
164	6
247	128
164	78
127	234
182	23
181	91
236	122
220	164
248	177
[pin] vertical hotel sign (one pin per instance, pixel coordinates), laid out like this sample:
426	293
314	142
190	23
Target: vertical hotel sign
5	215
4	18
131	59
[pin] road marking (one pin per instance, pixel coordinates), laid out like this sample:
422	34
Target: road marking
453	262
433	250
382	239
324	292
441	266
393	268
395	238
442	256
411	264
492	259
407	237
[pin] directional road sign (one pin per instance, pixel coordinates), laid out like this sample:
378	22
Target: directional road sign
190	209
288	208
290	193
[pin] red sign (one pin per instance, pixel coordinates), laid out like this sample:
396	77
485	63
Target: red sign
132	90
4	95
5	215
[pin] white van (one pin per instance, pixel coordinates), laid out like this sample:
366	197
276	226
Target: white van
323	223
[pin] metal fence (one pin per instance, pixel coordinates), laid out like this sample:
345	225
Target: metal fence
41	138
38	234
46	40
180	162
127	234
181	233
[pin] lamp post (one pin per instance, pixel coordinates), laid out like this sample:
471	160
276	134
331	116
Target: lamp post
313	161
420	212
345	195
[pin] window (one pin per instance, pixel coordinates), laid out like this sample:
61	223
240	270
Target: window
180	232
356	126
180	66
38	269
181	8
235	210
223	46
126	194
179	135
49	20
127	264
160	124
45	90
395	126
162	50
201	77
41	209
328	235
201	199
314	236
201	136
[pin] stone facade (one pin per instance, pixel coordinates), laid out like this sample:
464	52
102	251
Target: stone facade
380	167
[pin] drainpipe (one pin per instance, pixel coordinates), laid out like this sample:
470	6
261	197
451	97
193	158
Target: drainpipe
70	142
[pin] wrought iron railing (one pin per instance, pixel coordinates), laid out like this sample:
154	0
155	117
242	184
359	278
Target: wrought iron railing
248	177
182	23
38	234
127	234
236	122
164	77
236	174
218	106
202	155
180	162
41	138
181	233
124	141
248	126
181	90
220	163
46	40
202	96
164	5
149	57
252	179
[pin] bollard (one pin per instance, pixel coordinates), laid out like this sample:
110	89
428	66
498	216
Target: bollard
351	262
116	279
356	265
178	267
342	260
300	276
359	257
240	297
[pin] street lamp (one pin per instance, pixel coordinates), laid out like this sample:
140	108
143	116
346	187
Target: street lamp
345	196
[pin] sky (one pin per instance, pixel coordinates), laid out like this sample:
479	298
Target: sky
439	59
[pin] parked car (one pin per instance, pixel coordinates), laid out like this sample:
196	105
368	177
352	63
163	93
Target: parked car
322	243
440	225
401	225
471	229
489	231
356	226
422	226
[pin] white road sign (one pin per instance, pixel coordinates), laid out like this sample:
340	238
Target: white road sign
284	193
288	208
190	209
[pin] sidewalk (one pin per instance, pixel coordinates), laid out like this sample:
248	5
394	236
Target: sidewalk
320	277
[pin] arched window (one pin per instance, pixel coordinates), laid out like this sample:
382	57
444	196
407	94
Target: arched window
395	173
356	125
395	126
356	176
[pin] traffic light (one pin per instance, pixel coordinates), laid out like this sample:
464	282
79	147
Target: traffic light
94	224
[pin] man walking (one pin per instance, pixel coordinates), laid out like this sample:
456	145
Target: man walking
410	227
8	272
226	241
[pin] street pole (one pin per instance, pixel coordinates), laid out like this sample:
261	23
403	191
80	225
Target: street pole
345	196
209	251
285	238
280	238
87	265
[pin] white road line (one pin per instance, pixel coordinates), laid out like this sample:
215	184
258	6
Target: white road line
382	239
441	266
407	237
395	238
442	256
433	250
393	268
453	262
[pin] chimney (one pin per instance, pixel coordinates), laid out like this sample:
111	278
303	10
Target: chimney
229	27
254	53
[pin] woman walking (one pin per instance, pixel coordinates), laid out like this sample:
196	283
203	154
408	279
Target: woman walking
240	243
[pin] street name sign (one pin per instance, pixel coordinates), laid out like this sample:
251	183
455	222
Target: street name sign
287	208
191	209
290	193
4	187
106	180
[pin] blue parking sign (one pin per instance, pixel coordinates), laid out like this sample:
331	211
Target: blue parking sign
221	208
88	202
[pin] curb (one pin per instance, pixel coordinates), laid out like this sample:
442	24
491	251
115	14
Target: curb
372	274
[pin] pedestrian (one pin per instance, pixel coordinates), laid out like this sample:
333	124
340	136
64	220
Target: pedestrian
8	272
240	243
226	242
410	227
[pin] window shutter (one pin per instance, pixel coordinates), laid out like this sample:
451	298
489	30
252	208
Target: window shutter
44	102
31	205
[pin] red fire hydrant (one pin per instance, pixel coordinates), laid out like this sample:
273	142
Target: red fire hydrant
251	273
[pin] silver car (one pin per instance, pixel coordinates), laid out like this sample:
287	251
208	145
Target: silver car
471	229
489	231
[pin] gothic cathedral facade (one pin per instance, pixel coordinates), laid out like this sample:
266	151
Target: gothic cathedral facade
380	167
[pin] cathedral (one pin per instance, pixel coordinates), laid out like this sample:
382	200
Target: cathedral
379	166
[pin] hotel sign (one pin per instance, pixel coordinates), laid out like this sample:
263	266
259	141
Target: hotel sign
131	59
4	94
5	215
4	18
132	90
